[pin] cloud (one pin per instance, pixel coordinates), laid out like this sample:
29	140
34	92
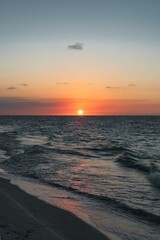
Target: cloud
62	83
131	85
76	46
18	102
110	87
26	106
23	84
11	88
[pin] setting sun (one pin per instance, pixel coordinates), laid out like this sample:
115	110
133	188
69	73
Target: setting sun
80	112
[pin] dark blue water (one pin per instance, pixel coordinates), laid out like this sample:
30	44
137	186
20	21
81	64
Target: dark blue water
111	160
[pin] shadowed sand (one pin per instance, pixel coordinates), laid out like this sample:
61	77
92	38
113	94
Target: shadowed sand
23	216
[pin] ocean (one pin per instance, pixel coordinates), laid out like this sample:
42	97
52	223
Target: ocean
104	169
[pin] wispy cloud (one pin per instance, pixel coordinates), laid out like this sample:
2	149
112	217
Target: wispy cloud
111	87
76	46
23	84
131	85
11	88
24	106
19	102
62	83
117	87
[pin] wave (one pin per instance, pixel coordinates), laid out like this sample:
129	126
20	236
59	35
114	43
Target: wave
38	149
44	148
72	152
154	178
130	160
106	149
140	213
35	149
19	163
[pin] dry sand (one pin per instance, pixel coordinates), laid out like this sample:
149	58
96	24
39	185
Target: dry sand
25	217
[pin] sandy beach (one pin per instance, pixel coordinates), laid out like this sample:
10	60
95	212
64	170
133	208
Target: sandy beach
23	216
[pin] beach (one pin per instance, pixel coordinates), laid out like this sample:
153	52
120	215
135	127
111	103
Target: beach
23	216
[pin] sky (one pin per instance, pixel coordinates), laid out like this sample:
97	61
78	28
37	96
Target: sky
59	56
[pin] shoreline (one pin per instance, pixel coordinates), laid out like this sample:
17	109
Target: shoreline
23	216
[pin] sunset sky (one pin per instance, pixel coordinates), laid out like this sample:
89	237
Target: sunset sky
59	56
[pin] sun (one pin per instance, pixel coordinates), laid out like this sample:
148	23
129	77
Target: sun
80	112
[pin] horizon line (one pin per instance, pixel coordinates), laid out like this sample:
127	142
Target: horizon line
81	116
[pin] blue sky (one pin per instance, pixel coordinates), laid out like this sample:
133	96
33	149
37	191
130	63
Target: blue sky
102	20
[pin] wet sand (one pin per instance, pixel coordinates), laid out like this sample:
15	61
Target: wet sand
23	216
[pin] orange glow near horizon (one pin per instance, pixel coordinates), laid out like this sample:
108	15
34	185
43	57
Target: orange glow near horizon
71	107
